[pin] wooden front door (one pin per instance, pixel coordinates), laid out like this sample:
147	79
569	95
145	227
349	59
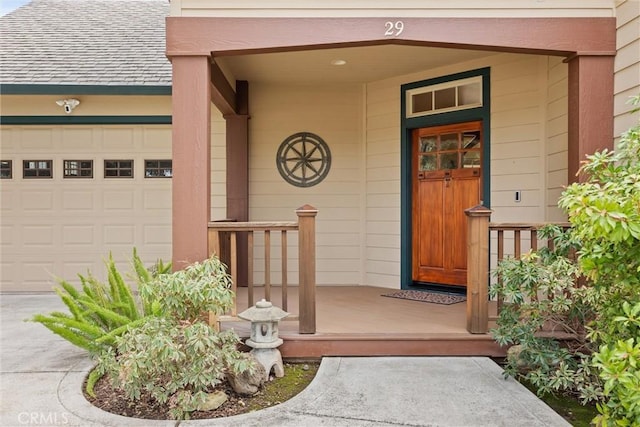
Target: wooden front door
447	176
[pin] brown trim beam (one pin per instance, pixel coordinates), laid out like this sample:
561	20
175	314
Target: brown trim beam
237	178
222	94
590	113
549	36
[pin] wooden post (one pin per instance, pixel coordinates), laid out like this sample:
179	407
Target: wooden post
307	268
478	269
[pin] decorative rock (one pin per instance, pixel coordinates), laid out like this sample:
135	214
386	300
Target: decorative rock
248	382
213	401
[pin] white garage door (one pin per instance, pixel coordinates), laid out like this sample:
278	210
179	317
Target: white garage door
72	194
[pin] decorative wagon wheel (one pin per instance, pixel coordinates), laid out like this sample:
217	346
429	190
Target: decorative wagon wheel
303	159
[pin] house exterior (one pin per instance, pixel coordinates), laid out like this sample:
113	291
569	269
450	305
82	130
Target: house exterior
390	119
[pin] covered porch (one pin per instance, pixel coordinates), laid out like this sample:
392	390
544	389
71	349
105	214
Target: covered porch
543	102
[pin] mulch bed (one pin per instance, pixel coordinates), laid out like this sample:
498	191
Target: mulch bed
272	393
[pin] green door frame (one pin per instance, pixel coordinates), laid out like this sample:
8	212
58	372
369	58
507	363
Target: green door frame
408	125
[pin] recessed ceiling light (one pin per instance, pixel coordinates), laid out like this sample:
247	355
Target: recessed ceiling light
338	62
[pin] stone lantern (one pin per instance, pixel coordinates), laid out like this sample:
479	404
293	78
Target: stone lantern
264	340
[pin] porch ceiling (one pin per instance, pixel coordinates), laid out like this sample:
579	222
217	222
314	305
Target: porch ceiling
363	64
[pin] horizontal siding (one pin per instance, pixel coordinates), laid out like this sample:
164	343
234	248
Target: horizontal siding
334	114
556	136
403	8
627	64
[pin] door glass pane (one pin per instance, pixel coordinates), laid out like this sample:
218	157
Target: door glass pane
471	140
471	159
449	161
449	141
429	143
428	162
445	98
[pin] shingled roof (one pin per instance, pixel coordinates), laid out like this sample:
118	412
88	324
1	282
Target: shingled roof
85	42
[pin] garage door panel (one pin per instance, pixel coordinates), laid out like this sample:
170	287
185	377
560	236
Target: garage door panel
118	139
36	200
77	139
157	200
79	236
37	235
119	235
118	200
40	139
78	200
157	234
156	140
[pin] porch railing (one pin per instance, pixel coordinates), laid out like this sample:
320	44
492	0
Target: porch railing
223	239
510	239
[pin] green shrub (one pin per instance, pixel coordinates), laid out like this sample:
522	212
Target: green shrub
99	311
542	300
605	214
176	362
178	357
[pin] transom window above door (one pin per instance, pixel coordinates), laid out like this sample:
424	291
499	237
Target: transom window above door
444	97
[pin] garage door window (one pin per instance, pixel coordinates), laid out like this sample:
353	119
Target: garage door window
118	168
37	169
78	168
158	169
6	169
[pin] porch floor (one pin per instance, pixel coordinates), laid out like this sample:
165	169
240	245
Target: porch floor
359	321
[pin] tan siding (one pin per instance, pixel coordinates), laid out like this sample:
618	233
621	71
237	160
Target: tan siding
403	8
627	64
334	114
556	136
518	105
60	227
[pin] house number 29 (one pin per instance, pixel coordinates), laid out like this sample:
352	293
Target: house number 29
393	28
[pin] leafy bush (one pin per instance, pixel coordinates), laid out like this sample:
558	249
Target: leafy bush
178	357
176	362
605	214
99	311
542	301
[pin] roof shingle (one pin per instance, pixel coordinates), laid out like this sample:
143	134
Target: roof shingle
85	42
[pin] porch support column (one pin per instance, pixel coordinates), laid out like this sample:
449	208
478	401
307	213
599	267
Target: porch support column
191	133
590	108
478	269
238	172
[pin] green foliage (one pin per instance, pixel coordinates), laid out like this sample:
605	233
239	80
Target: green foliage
604	212
176	362
177	357
188	293
542	299
99	311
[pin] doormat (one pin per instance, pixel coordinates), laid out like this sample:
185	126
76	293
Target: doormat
426	296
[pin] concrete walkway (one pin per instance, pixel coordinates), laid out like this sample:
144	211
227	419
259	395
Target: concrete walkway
41	377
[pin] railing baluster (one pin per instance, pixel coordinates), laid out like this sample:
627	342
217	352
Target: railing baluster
534	239
516	244
234	271
267	265
283	244
250	267
500	258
